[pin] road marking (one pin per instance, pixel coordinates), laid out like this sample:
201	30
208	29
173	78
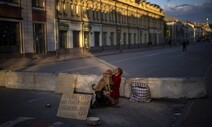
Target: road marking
11	123
110	65
57	124
144	55
83	67
35	99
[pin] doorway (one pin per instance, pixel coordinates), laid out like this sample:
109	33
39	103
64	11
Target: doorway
76	39
39	38
63	39
96	37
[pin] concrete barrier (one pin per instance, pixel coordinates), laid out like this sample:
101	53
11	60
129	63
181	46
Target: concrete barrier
193	87
28	80
65	83
84	83
2	78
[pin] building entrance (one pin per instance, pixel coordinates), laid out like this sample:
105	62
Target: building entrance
63	39
76	39
9	37
39	38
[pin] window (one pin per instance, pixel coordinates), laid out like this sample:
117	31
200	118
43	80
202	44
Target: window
104	38
77	10
94	14
129	38
112	38
134	38
84	12
9	37
113	16
102	16
106	16
110	16
12	1
65	8
73	9
88	13
38	3
118	17
97	14
125	38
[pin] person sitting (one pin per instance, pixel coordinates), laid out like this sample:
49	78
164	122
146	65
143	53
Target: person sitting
107	90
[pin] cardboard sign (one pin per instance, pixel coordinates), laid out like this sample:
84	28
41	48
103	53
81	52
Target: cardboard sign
65	83
74	106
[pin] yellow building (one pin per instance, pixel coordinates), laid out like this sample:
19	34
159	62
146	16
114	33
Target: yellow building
27	27
44	26
103	24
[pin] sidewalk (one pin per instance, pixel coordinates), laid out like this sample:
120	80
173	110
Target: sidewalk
12	64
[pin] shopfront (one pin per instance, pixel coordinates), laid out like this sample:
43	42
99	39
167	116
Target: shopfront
10	38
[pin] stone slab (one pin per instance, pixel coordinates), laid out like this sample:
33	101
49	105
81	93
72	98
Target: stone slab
84	83
29	80
191	87
2	78
65	83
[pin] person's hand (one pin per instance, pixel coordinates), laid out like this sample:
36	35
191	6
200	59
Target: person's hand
106	93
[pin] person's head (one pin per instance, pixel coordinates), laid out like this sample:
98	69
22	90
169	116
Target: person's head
118	71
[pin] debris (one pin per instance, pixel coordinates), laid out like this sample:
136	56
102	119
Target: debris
48	105
93	121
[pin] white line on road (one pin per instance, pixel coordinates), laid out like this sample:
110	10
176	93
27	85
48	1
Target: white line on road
145	55
57	124
83	67
35	99
110	65
11	123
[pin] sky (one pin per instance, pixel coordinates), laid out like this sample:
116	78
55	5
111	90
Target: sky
192	10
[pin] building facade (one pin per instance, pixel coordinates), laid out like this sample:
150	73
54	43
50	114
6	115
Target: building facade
43	26
102	24
27	26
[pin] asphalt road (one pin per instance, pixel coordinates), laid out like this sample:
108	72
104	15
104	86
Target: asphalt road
165	62
24	108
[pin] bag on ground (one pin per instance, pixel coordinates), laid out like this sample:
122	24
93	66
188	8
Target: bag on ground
140	92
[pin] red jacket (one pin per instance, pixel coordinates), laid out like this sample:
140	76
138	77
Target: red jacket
115	86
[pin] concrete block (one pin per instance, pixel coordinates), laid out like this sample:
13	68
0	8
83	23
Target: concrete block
2	78
125	89
84	83
16	79
191	87
28	80
177	87
65	83
45	81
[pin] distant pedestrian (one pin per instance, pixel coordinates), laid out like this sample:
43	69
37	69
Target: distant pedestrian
170	43
184	46
150	44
